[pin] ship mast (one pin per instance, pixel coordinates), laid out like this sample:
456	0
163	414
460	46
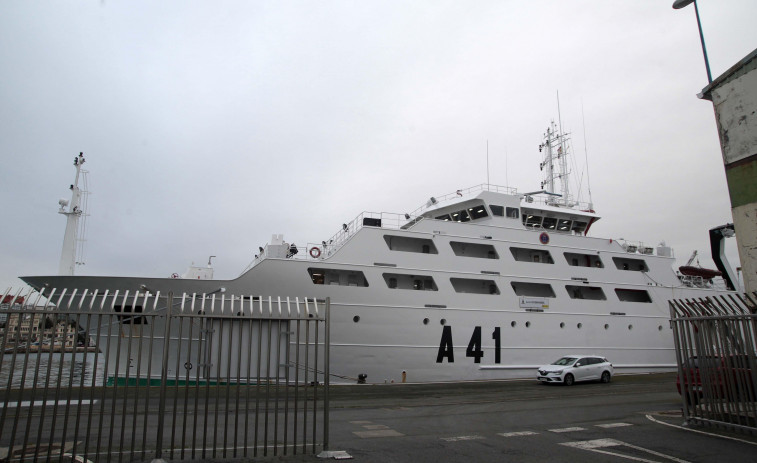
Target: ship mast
73	214
555	166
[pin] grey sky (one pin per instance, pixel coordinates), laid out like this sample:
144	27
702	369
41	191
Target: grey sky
209	126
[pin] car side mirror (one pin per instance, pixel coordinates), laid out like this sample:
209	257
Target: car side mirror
578	364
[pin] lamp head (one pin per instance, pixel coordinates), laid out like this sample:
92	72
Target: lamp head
678	4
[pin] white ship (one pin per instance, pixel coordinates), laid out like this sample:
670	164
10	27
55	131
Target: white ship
483	283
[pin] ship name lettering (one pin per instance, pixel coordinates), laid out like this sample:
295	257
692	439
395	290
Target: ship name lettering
474	350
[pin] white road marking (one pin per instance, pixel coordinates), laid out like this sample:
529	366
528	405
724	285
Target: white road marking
613	425
461	438
566	430
375	426
378	433
597	444
518	433
700	432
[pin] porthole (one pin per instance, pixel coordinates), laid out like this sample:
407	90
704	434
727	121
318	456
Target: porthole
528	324
443	321
425	321
356	318
562	324
607	326
512	324
630	327
579	325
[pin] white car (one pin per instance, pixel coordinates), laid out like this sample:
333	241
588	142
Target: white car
572	368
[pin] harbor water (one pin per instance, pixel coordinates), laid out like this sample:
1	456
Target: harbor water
52	369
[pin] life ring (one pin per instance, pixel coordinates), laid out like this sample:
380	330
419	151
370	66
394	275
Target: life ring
174	275
315	252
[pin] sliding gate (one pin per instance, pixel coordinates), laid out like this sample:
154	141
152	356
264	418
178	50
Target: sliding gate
716	351
136	376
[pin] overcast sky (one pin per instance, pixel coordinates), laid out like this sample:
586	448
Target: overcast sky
209	126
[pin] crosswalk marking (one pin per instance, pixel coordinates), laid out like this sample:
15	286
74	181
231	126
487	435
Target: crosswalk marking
461	438
518	433
613	425
567	429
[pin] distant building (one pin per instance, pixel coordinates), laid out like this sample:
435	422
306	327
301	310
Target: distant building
37	326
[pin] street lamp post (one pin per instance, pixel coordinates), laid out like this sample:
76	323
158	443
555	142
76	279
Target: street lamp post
678	4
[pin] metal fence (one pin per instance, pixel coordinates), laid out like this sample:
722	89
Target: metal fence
717	359
135	376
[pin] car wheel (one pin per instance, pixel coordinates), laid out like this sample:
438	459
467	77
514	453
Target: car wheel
569	380
606	377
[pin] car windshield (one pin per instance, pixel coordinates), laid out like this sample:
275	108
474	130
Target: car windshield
565	361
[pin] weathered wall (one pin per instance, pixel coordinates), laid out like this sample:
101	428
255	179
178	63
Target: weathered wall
735	102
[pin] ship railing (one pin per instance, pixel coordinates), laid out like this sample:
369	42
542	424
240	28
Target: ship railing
164	377
388	220
695	281
552	201
636	247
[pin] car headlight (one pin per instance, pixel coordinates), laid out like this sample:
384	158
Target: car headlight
558	372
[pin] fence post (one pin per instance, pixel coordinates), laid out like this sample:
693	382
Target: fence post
163	379
327	374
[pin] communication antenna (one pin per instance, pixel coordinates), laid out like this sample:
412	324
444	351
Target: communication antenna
487	163
507	180
586	156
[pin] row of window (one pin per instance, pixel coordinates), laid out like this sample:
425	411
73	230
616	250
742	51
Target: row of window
487	251
478	211
324	276
531	218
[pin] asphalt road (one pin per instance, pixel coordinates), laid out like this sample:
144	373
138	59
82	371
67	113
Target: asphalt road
634	418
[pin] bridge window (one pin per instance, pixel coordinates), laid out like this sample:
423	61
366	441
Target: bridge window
549	223
579	227
532	221
513	212
460	216
497	210
477	212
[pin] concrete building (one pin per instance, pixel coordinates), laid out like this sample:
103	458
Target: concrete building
734	97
